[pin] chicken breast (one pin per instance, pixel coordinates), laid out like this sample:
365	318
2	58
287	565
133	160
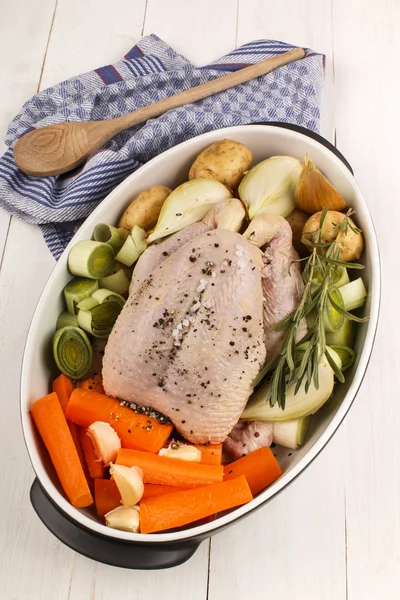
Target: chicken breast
227	214
190	341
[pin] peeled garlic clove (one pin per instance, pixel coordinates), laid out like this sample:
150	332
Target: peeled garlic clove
314	191
105	441
181	452
270	186
129	481
124	518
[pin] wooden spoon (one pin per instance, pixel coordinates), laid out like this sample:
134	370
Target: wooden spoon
56	149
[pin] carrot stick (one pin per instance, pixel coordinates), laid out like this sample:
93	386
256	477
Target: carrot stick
211	454
181	508
63	386
93	383
106	496
94	465
152	489
135	430
170	471
259	467
53	428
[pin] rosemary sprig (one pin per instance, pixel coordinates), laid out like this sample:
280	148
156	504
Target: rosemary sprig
298	361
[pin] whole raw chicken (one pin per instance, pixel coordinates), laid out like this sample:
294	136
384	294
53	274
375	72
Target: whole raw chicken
191	339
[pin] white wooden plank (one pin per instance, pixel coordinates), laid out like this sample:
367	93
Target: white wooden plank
201	31
21	64
296	23
90	34
294	546
367	132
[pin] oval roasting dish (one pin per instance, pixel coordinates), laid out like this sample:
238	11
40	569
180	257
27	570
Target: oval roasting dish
171	168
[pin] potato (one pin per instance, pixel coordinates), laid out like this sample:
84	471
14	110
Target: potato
351	244
297	219
226	161
145	208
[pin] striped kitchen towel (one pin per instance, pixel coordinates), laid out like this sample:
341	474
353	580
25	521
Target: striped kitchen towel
147	73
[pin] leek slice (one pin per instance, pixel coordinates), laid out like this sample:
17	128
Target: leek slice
65	319
342	337
107	234
340	277
97	314
72	352
270	186
91	259
117	282
333	319
346	354
187	204
133	247
353	294
298	405
291	434
76	290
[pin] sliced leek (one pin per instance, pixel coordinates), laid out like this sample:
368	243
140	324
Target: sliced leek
107	234
65	319
97	314
187	204
340	277
133	247
333	319
76	290
353	294
342	337
117	282
91	259
291	434
72	352
346	354
298	405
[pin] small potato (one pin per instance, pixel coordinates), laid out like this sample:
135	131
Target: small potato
226	161
350	243
297	219
143	211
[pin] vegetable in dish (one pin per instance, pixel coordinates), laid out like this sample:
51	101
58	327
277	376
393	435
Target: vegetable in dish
221	339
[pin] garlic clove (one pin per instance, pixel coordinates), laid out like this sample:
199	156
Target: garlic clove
124	518
129	481
181	452
314	191
105	441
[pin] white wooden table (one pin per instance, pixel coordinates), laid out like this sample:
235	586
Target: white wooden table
335	533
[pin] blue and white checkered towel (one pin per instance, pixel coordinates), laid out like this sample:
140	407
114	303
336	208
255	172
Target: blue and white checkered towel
149	72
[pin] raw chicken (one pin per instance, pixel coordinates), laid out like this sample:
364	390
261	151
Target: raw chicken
190	341
248	436
282	282
227	214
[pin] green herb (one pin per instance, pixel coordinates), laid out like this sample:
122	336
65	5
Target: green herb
298	361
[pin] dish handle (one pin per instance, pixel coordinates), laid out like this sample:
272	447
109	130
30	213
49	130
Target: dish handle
110	551
315	136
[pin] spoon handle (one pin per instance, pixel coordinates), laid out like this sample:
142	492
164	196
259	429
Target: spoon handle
208	89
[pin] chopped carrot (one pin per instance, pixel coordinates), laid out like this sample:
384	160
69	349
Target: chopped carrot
63	386
136	431
259	467
170	471
211	454
181	508
106	496
53	428
94	465
152	489
94	383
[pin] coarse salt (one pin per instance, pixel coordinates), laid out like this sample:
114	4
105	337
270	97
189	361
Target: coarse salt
195	307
